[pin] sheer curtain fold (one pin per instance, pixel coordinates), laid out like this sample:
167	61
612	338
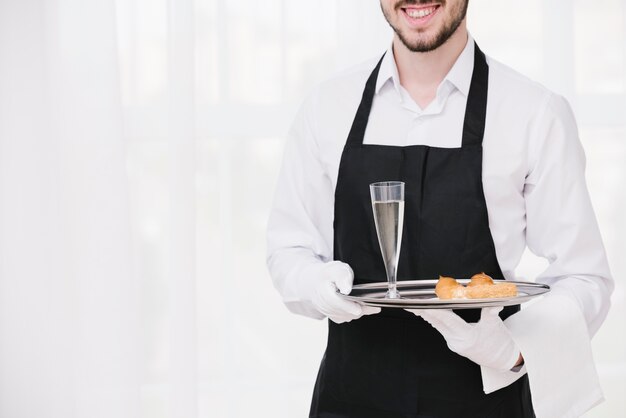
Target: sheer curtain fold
68	298
182	218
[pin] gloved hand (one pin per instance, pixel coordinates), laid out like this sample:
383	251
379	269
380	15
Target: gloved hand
328	278
487	342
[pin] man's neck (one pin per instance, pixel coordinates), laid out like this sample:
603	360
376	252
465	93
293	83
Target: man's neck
422	72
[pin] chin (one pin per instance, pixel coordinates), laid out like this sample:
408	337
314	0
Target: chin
425	35
418	43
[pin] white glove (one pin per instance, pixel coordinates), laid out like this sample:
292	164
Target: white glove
487	342
330	277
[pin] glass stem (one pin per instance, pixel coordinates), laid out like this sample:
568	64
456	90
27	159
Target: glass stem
392	291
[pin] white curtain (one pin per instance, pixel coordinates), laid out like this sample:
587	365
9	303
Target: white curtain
68	296
139	146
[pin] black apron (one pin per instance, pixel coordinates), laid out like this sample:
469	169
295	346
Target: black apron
394	364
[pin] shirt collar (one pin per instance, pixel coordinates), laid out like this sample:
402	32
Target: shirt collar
388	72
460	75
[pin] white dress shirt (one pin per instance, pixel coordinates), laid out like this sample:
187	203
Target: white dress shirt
536	195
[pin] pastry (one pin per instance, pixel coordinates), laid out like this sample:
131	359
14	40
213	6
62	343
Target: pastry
448	288
496	290
481	286
480	279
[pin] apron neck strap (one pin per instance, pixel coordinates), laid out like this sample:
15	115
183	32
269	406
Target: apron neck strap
357	131
476	108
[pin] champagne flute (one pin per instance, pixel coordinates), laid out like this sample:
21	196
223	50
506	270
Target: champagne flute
388	207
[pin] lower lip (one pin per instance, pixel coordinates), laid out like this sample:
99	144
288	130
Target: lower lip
417	22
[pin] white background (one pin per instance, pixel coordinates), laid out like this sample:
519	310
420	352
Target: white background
178	318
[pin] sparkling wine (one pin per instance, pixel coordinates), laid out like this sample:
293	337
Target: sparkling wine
389	218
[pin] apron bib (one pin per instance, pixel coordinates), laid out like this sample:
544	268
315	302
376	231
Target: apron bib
394	364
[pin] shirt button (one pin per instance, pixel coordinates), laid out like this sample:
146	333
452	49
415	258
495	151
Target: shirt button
418	121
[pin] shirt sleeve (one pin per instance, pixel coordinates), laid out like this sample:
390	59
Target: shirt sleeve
554	333
561	225
299	231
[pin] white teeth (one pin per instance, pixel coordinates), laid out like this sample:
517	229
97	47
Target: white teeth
419	13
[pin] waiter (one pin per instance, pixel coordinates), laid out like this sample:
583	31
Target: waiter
492	164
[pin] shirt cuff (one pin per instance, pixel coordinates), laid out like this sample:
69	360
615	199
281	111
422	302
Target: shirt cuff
496	379
299	270
517	368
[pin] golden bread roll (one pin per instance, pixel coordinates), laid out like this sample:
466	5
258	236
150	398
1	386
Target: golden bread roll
448	288
480	279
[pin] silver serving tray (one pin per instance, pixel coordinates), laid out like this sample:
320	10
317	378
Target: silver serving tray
420	294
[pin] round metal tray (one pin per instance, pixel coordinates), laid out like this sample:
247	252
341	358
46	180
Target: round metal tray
420	294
